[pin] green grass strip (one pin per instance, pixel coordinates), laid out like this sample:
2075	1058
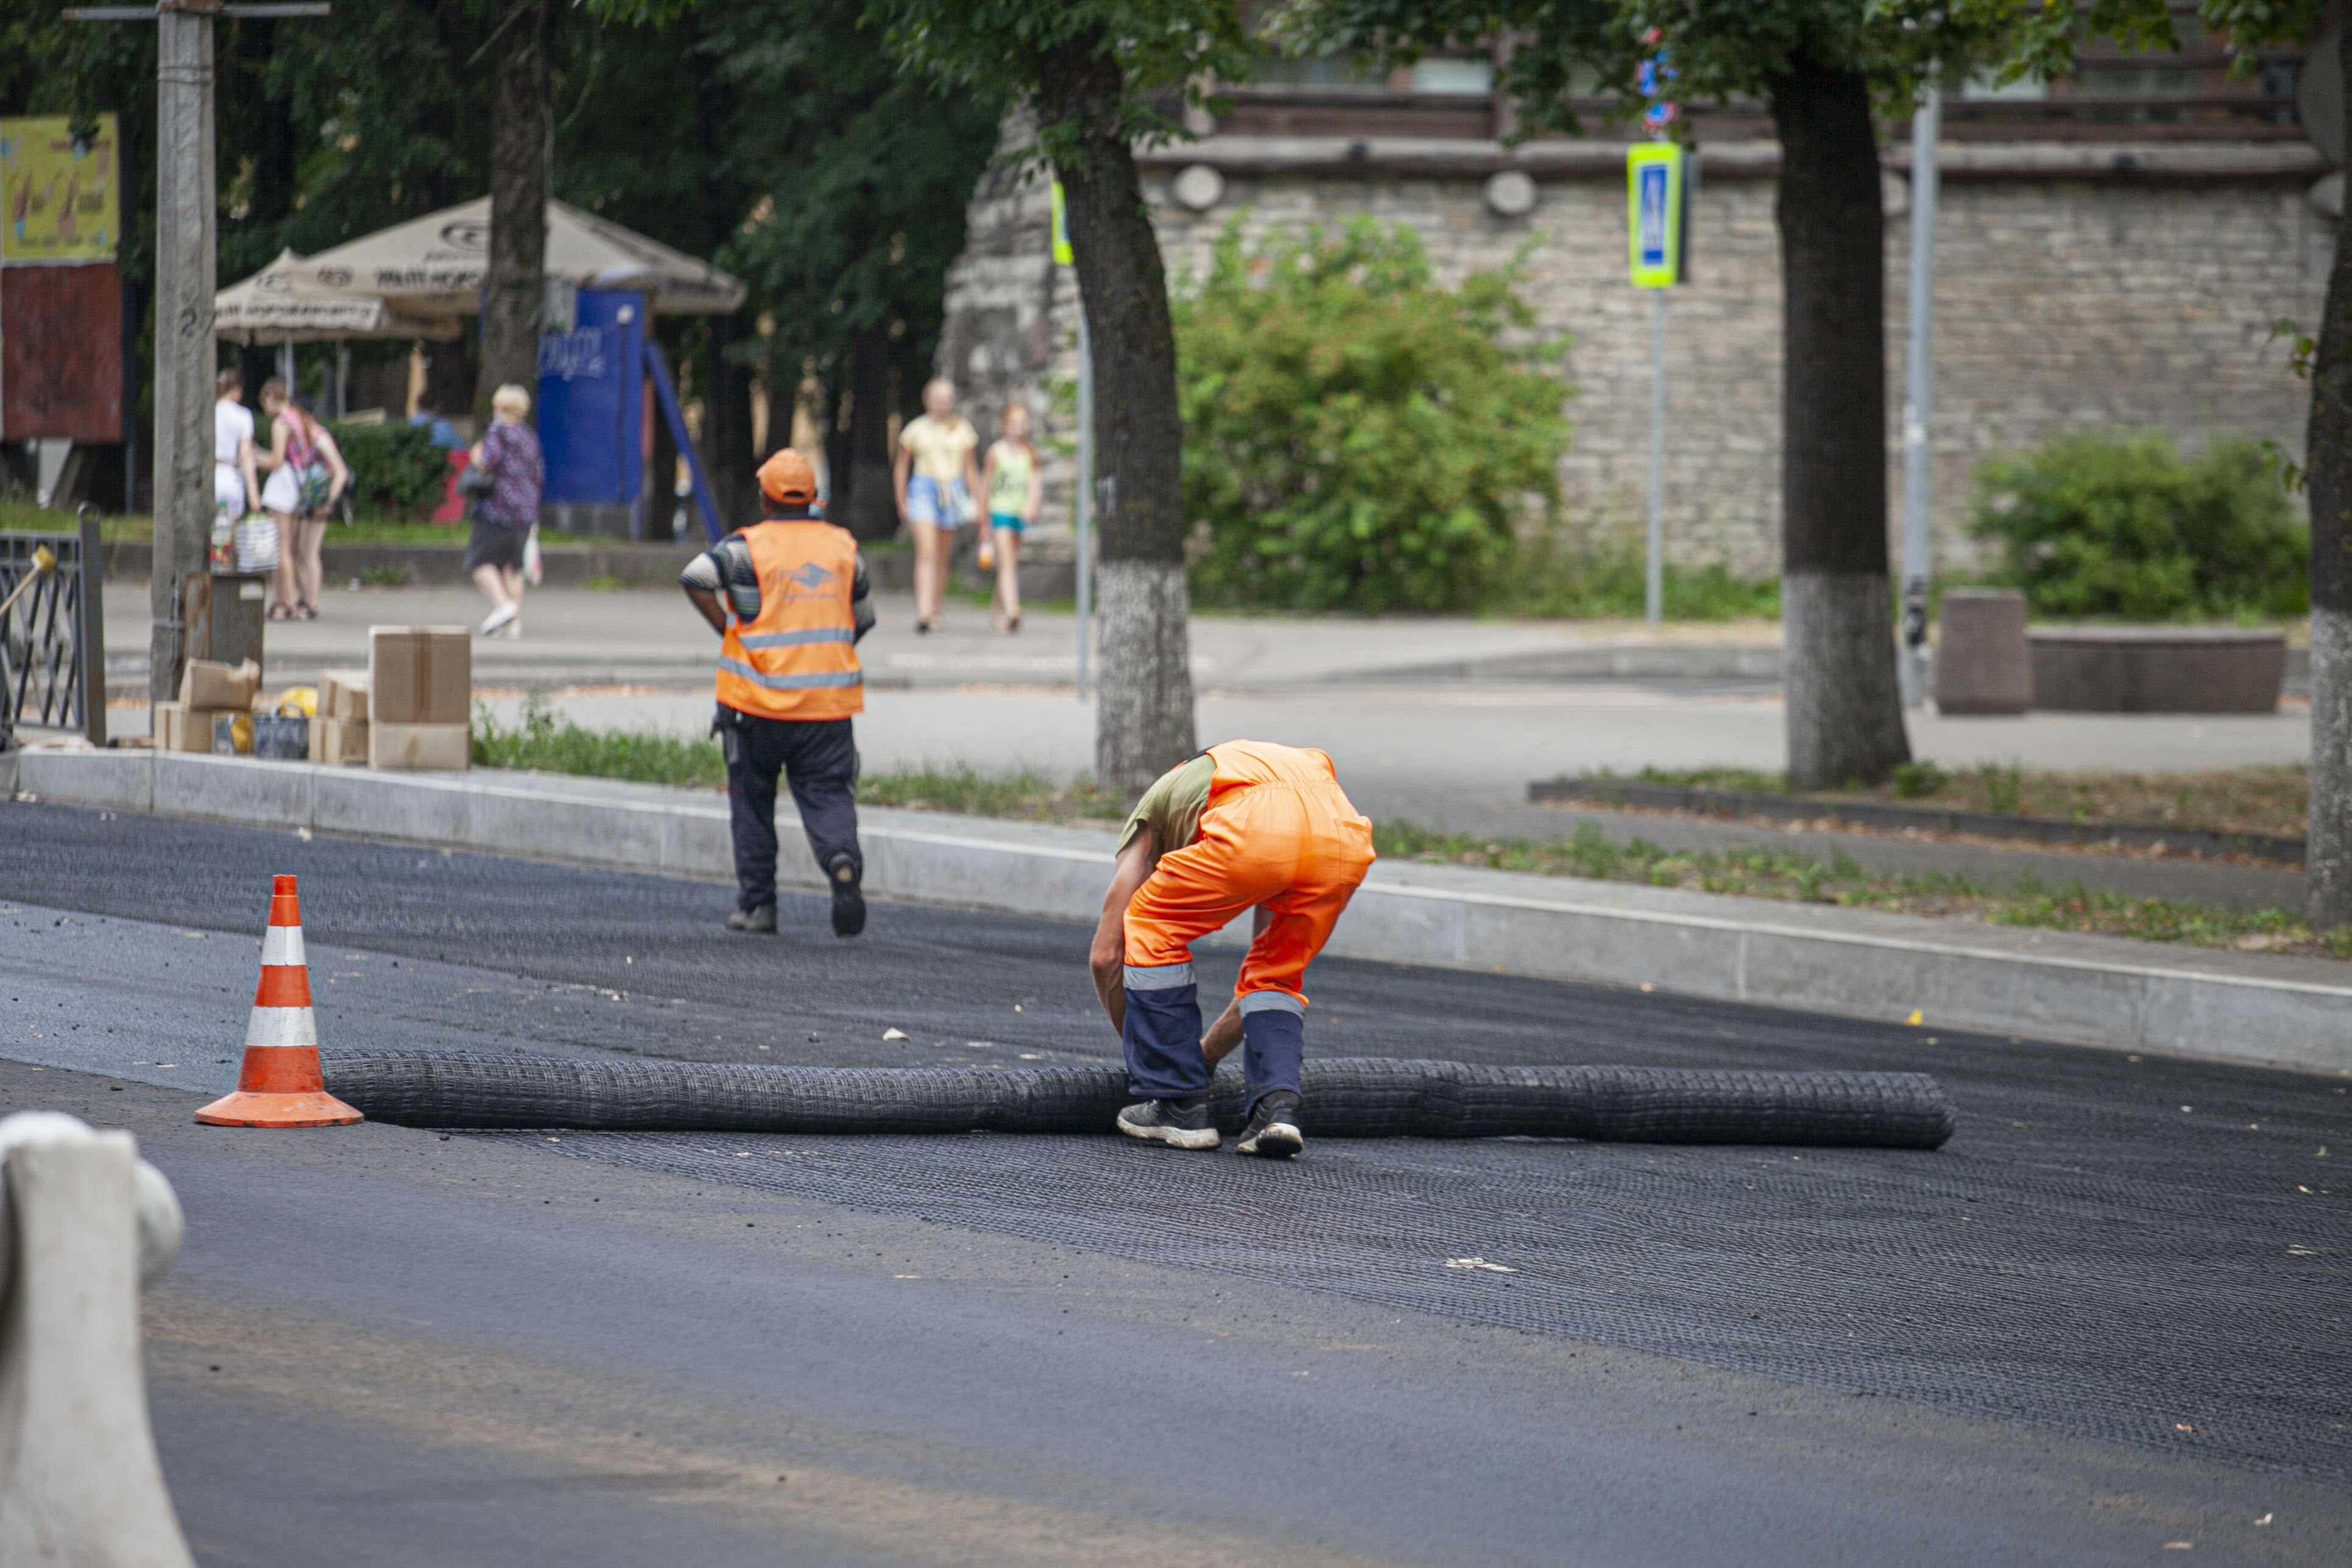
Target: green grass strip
1768	873
545	741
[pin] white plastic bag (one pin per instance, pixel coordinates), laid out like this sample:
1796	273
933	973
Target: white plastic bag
532	565
257	544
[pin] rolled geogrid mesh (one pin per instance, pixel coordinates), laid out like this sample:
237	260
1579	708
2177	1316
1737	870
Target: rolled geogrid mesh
1344	1098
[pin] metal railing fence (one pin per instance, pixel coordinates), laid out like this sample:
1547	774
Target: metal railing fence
52	638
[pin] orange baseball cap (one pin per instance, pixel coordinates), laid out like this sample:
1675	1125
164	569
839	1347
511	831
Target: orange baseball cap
787	477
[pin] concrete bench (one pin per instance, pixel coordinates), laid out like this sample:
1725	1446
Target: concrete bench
2158	670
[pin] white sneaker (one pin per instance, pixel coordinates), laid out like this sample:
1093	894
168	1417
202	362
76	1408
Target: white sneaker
499	618
511	631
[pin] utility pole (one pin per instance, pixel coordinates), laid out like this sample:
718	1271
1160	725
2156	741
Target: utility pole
1918	395
186	190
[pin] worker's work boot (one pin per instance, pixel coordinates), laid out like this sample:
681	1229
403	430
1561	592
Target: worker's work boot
758	916
1183	1123
848	903
1272	1131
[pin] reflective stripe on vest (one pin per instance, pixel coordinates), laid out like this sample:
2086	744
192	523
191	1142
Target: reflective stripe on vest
808	682
798	659
796	639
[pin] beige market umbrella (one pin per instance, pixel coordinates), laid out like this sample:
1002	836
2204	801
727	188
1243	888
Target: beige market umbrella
435	266
274	307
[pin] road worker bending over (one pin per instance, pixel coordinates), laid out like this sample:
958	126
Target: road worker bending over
795	604
1246	824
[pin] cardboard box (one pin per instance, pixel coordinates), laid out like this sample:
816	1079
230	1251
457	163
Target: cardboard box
343	694
420	675
421	746
205	684
179	728
339	742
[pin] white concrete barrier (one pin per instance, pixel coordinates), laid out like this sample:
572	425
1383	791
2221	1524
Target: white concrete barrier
84	1222
2096	990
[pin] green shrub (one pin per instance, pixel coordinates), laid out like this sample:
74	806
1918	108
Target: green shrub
1917	781
1355	435
2119	525
396	469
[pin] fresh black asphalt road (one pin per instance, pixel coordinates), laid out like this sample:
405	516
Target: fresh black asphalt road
2108	1319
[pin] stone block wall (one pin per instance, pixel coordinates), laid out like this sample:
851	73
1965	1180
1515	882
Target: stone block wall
2061	303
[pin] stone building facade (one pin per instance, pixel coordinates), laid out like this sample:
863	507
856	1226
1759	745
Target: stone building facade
2127	279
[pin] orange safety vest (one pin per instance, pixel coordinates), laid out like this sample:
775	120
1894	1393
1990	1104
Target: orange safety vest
799	659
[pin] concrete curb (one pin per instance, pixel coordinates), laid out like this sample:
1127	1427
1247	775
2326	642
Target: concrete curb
2105	991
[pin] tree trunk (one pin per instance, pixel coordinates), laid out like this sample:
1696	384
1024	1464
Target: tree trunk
873	511
1143	715
1845	712
519	130
726	459
2328	457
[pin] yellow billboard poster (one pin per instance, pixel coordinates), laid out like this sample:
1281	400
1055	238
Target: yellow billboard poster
60	195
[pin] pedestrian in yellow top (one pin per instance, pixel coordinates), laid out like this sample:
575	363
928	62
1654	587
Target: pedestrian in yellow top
1009	480
788	598
935	479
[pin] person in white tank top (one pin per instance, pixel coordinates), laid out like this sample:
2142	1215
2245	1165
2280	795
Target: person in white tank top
233	454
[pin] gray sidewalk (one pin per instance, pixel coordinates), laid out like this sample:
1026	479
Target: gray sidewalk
1411	741
649	637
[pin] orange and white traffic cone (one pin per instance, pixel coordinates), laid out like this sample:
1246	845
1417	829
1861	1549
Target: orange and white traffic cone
280	1085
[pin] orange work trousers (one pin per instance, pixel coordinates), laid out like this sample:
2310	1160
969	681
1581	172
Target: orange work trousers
1278	836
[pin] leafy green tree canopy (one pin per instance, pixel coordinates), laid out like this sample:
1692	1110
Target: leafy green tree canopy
1161	48
860	172
1356	435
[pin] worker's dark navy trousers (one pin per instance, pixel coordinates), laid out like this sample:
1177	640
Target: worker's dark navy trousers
1162	1037
820	758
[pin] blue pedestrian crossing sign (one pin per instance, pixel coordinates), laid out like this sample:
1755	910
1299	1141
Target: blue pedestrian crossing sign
1657	205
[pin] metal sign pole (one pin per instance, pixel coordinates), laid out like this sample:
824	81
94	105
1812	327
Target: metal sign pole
1657	194
1086	507
1917	400
1653	568
1082	519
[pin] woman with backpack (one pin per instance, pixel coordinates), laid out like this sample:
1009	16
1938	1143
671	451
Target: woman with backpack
306	477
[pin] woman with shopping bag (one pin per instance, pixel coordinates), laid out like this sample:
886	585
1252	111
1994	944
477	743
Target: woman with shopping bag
503	484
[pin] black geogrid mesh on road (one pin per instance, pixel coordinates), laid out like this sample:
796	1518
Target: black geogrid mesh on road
1359	1097
2090	1306
2108	1245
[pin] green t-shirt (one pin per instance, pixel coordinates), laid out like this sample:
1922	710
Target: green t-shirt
1171	809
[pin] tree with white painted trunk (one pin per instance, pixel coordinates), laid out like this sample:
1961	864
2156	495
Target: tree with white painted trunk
1088	71
1826	68
2249	26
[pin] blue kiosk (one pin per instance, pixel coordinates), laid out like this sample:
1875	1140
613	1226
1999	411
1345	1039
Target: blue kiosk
592	379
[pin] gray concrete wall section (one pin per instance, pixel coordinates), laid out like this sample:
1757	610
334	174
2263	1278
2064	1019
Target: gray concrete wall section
2095	286
2049	985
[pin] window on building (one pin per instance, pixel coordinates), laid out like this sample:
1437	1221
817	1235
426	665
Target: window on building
1466	78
